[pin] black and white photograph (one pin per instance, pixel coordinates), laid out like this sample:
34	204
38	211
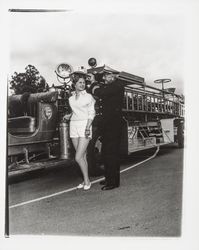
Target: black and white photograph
97	112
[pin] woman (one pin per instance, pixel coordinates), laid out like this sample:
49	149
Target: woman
83	112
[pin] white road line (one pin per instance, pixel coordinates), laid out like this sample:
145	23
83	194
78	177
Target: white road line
75	188
141	162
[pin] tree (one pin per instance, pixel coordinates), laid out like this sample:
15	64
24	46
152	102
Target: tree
31	81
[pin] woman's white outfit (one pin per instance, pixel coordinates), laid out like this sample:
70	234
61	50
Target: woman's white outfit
82	110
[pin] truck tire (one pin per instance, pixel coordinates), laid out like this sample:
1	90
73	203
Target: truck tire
94	156
180	135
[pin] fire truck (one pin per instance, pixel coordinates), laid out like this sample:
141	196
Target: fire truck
39	136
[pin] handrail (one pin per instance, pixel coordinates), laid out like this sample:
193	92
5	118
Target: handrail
146	86
142	102
152	94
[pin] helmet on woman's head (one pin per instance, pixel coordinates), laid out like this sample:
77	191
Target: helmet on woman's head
80	71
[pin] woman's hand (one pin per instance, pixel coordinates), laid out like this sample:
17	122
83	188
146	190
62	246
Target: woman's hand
87	132
67	117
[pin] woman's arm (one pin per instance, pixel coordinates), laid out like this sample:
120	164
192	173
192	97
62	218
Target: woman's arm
89	123
88	127
91	108
91	115
67	117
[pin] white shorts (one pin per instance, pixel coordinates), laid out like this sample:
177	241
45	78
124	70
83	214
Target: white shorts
77	129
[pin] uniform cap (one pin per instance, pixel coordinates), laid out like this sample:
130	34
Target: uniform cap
109	70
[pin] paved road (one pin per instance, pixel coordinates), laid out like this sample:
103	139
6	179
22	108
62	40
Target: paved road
148	202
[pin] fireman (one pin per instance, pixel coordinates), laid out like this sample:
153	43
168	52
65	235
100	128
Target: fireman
112	94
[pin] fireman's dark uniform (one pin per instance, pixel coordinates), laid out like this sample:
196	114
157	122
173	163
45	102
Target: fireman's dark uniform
112	96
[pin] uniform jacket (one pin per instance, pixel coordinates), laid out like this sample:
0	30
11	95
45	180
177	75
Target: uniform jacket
112	96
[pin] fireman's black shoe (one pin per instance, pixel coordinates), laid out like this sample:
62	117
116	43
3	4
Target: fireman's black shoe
103	182
109	187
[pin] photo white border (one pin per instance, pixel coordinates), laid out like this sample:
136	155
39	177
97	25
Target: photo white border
189	238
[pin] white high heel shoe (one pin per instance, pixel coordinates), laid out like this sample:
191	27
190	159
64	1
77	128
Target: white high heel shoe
87	187
81	185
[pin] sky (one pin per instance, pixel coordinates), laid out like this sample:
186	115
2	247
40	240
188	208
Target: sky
150	45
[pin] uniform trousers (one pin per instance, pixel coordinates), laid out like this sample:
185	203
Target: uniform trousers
111	138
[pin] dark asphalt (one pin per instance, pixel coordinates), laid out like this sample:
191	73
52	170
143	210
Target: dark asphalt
148	202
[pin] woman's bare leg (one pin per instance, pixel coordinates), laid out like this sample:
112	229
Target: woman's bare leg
75	142
80	158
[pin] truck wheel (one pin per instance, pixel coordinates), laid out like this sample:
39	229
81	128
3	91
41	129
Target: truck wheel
94	156
180	135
